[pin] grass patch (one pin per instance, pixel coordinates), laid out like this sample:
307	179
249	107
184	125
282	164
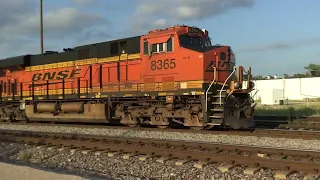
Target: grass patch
25	156
311	109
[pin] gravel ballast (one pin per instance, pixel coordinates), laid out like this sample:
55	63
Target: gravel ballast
9	171
227	139
93	166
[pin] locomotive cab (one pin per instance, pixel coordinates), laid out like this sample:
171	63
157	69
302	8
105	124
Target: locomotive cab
182	60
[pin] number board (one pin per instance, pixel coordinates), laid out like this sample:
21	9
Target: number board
194	30
163	64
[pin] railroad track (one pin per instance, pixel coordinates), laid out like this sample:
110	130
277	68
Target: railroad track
276	133
301	124
287	122
285	161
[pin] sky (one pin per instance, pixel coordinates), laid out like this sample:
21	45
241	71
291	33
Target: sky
271	36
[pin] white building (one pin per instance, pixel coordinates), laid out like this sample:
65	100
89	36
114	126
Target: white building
291	89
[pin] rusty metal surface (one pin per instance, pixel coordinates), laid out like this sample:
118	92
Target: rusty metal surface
233	154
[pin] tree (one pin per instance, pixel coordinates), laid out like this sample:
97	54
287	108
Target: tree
313	69
256	77
300	75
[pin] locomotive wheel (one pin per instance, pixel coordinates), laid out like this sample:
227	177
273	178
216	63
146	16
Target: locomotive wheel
162	127
209	127
158	120
198	128
132	125
194	123
129	121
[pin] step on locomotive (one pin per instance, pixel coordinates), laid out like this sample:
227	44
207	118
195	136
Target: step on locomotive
165	77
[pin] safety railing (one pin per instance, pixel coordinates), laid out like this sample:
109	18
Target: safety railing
234	70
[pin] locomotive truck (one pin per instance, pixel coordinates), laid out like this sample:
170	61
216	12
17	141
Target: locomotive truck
167	76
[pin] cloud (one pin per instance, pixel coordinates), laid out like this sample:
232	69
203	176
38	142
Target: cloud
57	23
86	2
159	23
190	9
157	14
65	26
13	10
280	46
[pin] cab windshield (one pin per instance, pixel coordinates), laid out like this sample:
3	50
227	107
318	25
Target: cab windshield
188	41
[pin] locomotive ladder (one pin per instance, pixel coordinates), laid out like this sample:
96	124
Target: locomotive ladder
214	79
217	105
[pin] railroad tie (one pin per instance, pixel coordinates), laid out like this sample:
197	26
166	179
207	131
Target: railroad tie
53	147
182	161
164	159
262	155
87	151
226	168
43	146
63	148
111	154
97	153
201	164
127	156
251	170
282	174
311	177
75	149
145	157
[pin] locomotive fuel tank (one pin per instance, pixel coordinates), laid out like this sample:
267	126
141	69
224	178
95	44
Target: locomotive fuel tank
76	112
72	107
46	107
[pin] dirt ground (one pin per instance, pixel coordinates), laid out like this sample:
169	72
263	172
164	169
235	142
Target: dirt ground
14	172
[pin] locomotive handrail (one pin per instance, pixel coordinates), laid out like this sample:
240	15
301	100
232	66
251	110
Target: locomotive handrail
234	70
214	79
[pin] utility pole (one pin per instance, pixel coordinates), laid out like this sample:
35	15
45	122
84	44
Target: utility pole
41	27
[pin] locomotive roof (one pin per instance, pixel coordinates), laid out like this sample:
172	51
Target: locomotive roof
52	56
103	42
15	61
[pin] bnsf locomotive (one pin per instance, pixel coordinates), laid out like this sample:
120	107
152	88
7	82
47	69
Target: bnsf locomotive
168	76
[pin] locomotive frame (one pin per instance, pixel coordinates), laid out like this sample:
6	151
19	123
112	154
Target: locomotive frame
138	80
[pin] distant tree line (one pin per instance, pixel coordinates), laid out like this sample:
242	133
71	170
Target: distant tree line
312	70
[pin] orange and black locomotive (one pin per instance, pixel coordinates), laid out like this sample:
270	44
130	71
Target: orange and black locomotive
167	76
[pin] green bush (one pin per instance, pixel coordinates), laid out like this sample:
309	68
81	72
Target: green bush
25	156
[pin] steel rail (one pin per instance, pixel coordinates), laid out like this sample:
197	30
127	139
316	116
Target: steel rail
276	133
195	151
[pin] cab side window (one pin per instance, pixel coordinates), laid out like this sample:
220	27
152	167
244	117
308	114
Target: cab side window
159	47
145	47
170	44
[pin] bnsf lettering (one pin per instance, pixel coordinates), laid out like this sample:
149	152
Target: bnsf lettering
63	74
54	75
48	76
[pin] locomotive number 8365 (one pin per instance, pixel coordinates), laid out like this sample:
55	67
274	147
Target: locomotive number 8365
172	76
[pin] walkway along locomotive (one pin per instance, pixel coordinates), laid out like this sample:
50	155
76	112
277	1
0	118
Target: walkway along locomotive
173	75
